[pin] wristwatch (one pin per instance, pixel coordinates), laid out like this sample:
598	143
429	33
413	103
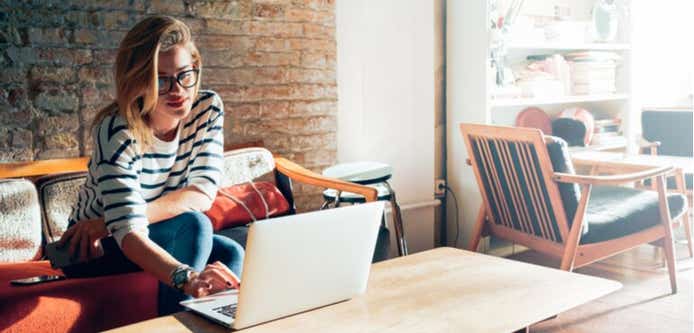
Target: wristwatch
180	276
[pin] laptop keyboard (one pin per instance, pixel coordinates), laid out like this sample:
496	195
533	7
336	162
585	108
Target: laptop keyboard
227	310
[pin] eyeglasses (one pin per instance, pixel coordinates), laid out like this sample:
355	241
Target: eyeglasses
185	79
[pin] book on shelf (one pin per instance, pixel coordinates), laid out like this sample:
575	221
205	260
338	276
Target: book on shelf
605	128
605	135
593	90
615	139
589	76
607	122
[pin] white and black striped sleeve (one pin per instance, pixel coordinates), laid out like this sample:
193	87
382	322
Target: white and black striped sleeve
207	165
119	180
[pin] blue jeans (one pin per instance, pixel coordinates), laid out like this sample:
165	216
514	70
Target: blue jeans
187	237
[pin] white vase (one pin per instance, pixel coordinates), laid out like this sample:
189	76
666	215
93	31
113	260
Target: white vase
605	20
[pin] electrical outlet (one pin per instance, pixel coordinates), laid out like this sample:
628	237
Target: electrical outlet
439	187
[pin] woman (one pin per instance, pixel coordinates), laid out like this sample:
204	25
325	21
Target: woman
155	167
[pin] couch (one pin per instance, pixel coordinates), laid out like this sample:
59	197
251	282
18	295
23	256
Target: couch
35	201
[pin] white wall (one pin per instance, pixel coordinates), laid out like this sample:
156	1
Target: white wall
385	79
663	52
467	42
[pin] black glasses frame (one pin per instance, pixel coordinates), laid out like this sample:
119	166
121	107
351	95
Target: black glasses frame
178	79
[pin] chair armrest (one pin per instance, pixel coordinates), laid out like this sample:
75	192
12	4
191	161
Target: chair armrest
612	166
651	145
612	179
303	175
643	143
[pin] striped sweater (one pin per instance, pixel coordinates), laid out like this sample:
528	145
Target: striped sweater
122	181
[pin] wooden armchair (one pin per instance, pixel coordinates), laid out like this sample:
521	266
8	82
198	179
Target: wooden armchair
532	196
669	133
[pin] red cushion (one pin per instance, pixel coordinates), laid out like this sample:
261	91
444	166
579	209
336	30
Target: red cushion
226	213
73	305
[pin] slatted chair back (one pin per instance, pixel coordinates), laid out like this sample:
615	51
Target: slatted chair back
514	173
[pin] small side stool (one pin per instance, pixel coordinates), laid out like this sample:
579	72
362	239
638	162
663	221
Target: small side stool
373	174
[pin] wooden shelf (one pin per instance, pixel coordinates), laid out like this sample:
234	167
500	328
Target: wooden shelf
557	100
570	47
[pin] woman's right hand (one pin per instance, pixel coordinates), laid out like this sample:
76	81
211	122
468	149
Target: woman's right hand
83	239
214	278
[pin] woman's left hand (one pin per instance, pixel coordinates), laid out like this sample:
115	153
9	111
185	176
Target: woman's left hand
83	239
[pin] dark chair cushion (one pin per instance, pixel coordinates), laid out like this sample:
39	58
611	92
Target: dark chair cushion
561	162
673	129
614	212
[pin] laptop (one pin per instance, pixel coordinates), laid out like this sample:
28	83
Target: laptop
297	263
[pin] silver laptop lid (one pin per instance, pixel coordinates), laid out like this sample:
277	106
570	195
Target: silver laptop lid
304	261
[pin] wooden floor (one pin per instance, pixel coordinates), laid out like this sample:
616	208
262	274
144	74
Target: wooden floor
644	304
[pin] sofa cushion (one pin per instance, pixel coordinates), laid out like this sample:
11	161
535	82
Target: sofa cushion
73	305
242	165
244	203
619	211
57	195
20	221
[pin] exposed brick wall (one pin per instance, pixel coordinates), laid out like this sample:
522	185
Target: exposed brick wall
272	61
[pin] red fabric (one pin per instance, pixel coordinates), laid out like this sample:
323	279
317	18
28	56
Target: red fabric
73	305
226	213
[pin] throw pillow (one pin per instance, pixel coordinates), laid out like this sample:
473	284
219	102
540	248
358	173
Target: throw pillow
244	203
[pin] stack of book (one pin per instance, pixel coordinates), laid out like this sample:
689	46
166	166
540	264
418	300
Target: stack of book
607	132
593	72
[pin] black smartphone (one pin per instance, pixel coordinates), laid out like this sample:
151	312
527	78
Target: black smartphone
36	280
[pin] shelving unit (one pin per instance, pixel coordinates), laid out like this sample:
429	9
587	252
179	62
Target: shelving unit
470	85
557	100
570	47
503	110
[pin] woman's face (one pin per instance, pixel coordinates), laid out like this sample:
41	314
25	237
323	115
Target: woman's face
175	75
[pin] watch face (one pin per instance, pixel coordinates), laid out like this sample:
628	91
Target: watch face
180	277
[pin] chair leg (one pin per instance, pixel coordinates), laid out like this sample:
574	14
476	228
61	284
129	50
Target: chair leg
668	242
571	243
397	222
477	231
679	181
670	259
688	230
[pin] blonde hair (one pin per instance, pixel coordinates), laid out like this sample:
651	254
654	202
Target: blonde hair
136	72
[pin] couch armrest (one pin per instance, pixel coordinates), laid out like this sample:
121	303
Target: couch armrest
303	175
43	167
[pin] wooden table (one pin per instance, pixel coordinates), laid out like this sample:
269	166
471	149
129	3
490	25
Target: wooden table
440	290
